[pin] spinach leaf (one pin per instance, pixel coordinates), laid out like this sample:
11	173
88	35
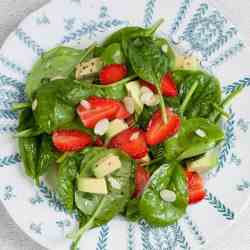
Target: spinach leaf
28	148
206	93
47	156
187	143
65	184
127	32
102	208
132	211
157	211
57	62
163	44
148	61
113	54
51	112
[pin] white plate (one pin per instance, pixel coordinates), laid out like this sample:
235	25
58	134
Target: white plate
192	24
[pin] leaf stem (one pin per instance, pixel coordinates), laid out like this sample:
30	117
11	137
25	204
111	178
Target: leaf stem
220	110
188	97
155	26
19	106
63	157
87	226
162	105
27	133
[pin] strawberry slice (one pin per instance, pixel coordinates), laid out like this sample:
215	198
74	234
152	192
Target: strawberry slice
112	73
101	108
131	141
196	191
149	85
168	86
157	131
70	140
141	179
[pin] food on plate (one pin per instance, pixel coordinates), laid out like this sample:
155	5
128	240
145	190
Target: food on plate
130	126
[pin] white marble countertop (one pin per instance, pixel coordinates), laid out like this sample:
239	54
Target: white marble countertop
12	12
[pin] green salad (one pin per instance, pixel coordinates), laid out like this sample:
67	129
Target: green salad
128	125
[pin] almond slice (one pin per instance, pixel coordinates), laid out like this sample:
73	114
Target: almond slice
168	195
101	127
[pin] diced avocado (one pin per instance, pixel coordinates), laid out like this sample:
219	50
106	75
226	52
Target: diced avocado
134	91
92	185
187	62
115	127
205	163
107	165
89	68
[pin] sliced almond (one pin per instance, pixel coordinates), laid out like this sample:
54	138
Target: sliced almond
201	133
85	104
101	127
168	195
145	97
164	48
114	183
34	104
134	136
129	104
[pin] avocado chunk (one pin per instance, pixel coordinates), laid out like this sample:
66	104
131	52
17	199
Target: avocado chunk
92	185
107	165
89	68
204	163
187	62
134	91
115	127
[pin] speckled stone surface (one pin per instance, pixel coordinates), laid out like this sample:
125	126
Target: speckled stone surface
11	13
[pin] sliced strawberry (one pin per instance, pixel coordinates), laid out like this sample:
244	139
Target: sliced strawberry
112	73
149	85
131	141
141	179
168	86
101	108
70	140
196	191
157	131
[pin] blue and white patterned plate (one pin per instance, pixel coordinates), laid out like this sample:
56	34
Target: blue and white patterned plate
192	24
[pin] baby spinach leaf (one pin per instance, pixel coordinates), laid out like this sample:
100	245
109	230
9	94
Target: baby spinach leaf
29	154
207	92
148	61
26	120
66	180
47	156
102	208
145	116
187	143
132	211
113	54
51	112
153	208
57	62
132	31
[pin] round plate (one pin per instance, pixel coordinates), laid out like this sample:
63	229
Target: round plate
196	27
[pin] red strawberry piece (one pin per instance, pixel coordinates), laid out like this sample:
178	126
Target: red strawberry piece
168	86
158	131
132	141
112	73
70	140
196	190
141	179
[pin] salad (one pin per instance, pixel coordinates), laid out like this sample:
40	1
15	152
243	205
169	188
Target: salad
129	127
